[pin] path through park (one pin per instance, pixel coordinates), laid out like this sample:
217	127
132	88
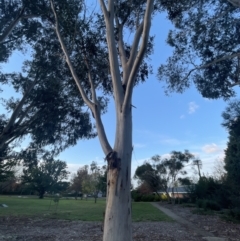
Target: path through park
205	234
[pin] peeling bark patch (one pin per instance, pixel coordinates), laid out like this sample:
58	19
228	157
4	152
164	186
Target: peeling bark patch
113	161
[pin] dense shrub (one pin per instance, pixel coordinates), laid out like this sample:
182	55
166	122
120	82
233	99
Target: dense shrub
212	205
148	198
235	213
138	197
208	204
200	203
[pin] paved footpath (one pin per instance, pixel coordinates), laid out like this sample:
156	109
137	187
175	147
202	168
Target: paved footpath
205	235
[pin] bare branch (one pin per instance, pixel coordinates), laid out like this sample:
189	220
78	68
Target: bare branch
140	55
121	43
134	49
74	74
93	90
93	106
113	56
104	9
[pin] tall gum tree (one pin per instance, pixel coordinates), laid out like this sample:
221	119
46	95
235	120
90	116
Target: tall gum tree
124	68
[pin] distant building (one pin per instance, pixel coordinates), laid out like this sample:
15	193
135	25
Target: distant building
178	192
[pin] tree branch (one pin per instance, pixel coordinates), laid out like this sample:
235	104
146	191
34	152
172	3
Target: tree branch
9	29
235	3
18	109
134	50
230	56
73	72
93	106
104	9
140	55
113	55
121	43
24	114
93	90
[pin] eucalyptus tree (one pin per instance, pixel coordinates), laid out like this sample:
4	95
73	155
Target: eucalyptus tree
206	49
20	23
124	68
49	108
103	61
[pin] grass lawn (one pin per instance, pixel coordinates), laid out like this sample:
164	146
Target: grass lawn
73	209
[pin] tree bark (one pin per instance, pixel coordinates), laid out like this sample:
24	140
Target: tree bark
118	214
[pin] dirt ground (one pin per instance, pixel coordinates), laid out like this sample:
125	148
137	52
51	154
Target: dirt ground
210	223
35	229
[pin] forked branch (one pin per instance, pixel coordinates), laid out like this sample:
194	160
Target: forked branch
138	60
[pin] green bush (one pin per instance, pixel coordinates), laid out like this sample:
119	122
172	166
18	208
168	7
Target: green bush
157	198
148	198
212	205
235	213
200	203
208	205
137	198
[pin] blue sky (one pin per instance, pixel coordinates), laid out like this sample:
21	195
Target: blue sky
160	123
163	123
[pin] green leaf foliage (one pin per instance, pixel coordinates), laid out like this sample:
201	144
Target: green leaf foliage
206	48
45	176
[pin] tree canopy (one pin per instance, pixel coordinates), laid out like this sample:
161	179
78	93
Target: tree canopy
205	48
46	176
231	120
50	108
160	174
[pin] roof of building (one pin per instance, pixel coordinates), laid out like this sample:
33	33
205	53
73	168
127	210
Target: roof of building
181	189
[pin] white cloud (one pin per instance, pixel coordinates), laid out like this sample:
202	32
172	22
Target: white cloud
211	148
182	116
139	145
171	141
192	107
208	100
73	167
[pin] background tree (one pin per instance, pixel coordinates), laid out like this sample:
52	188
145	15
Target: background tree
164	174
173	167
197	163
231	120
47	175
77	180
102	180
51	113
205	48
219	171
150	177
7	164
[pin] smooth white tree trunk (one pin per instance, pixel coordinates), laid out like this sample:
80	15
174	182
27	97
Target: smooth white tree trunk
118	214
